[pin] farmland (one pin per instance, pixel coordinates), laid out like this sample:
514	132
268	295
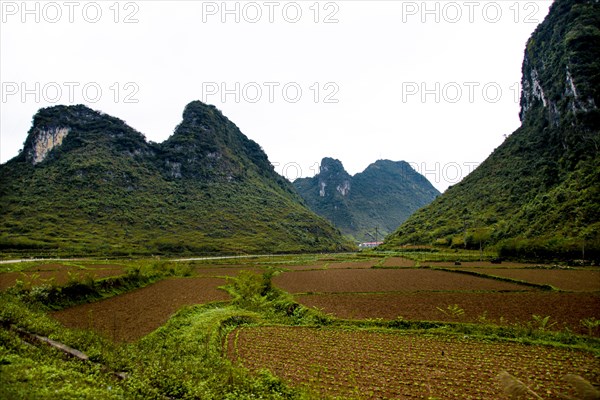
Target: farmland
474	292
132	315
362	326
374	365
572	280
383	280
567	310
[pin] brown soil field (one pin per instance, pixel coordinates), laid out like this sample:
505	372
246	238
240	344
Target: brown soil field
398	262
385	280
57	274
575	280
566	309
130	316
377	365
470	264
353	264
304	267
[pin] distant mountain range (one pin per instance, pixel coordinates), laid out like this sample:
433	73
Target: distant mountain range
370	204
538	194
86	183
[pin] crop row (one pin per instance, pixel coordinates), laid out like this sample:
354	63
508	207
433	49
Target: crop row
566	310
391	365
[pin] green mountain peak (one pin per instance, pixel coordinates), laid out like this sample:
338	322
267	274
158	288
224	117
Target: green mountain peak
373	202
87	183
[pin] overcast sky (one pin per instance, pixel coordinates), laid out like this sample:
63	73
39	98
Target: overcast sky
433	83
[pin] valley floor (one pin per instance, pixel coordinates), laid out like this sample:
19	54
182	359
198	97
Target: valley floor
363	326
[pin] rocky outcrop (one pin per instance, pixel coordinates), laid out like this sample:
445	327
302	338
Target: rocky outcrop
44	140
558	67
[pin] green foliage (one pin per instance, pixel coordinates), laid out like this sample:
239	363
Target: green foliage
105	191
453	311
542	323
591	324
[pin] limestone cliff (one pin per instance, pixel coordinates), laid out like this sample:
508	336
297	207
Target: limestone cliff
44	140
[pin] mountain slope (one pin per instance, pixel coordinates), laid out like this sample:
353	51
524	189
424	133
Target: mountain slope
381	196
538	194
86	183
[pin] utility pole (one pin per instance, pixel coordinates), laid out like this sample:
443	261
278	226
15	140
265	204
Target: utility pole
376	232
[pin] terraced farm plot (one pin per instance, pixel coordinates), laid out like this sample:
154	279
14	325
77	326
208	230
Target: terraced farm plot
58	274
374	365
475	264
566	309
398	262
381	280
307	267
134	314
574	280
352	264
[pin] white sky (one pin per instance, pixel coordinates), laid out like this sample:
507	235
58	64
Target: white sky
383	62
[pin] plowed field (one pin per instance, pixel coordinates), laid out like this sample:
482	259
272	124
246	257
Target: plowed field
398	262
382	280
134	314
575	280
304	267
374	365
353	264
471	264
566	309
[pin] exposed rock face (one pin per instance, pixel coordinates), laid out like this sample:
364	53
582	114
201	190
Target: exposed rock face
332	174
558	66
45	140
343	188
533	93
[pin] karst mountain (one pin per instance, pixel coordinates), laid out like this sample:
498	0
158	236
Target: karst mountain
370	204
538	194
87	183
